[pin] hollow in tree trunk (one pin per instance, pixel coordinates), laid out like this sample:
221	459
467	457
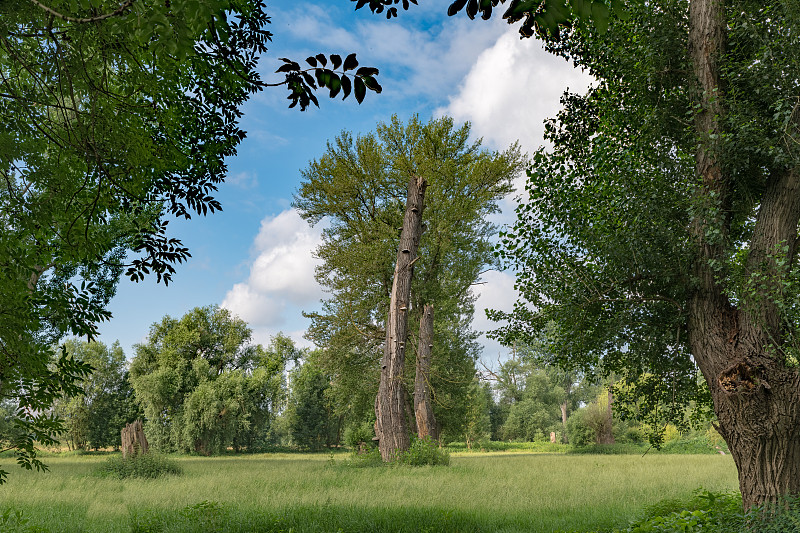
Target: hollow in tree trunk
423	407
391	427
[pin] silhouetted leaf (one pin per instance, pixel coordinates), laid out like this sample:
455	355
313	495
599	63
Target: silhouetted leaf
360	90
350	62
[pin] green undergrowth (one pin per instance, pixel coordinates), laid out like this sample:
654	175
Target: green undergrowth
422	452
150	465
688	445
710	512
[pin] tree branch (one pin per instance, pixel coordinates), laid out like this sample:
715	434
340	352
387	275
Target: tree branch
98	18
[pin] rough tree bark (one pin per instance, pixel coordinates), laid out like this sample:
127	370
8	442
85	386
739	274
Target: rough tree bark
391	427
739	348
607	434
423	408
133	440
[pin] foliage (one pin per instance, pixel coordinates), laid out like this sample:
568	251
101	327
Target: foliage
359	186
204	386
543	17
424	452
619	240
116	118
312	424
361	433
478	425
149	465
95	417
533	394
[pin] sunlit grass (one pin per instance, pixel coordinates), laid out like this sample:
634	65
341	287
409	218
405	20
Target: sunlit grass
279	492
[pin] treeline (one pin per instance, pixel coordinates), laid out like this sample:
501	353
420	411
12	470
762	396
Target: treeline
202	386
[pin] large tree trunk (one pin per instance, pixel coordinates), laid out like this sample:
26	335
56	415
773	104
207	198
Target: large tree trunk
423	408
740	349
391	427
607	433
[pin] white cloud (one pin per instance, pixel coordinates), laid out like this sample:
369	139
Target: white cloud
281	281
497	292
243	180
415	60
511	89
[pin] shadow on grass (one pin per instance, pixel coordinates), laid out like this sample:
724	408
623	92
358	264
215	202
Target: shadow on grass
210	516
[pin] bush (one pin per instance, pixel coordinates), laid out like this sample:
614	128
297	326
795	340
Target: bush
355	435
424	452
717	513
421	453
149	466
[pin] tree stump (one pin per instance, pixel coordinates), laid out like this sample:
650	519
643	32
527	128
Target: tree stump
133	440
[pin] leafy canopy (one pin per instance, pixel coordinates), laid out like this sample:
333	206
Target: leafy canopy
602	244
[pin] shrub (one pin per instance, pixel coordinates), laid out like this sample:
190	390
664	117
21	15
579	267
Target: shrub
355	435
149	465
366	458
424	452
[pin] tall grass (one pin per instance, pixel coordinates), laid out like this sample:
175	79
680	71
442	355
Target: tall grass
282	492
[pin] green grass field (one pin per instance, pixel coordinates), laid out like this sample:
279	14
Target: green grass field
501	492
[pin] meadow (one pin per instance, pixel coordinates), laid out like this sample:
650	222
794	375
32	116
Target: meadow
503	492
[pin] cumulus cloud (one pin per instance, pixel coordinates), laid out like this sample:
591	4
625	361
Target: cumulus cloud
511	89
281	281
415	59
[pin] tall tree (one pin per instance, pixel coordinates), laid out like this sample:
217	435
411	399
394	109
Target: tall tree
360	186
311	418
95	417
661	231
203	385
115	117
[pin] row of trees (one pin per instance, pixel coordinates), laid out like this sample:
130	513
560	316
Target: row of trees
202	387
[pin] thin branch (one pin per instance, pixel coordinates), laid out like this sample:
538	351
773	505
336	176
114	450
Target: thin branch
98	18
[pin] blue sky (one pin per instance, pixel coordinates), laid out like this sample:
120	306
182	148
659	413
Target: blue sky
255	257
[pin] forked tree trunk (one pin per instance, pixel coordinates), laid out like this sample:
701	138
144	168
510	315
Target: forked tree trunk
740	350
423	407
391	428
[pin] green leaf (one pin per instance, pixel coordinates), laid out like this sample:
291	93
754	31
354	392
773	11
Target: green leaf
618	7
600	15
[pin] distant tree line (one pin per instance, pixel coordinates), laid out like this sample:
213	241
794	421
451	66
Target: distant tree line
202	386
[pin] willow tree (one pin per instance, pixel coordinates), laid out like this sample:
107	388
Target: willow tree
360	186
661	231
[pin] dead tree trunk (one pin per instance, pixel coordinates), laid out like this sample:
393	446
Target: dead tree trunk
739	347
423	407
391	427
133	440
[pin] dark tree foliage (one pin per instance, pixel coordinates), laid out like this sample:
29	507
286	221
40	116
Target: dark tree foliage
545	18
